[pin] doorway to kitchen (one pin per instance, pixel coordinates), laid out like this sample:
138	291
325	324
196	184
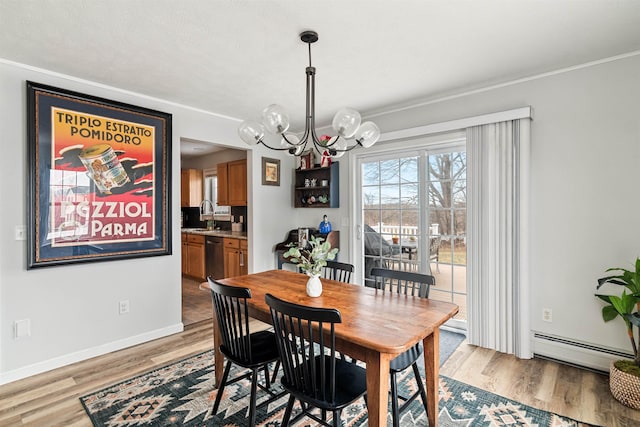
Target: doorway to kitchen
205	157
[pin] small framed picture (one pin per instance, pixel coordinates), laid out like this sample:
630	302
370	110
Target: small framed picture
270	171
306	160
303	237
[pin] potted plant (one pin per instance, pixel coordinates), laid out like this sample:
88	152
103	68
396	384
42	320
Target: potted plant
311	260
624	376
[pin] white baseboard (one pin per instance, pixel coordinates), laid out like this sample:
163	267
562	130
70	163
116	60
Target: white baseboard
67	359
576	353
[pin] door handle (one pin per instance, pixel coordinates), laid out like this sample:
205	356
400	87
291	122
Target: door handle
241	259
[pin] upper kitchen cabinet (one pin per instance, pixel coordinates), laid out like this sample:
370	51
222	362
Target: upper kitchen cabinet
191	187
232	183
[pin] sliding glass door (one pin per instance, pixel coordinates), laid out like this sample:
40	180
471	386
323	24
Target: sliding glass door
413	216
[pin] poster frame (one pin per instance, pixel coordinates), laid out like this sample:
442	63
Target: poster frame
148	184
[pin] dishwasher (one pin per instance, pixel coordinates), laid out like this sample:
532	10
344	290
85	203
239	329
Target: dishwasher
214	255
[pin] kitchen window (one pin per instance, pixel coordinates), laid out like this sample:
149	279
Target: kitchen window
220	213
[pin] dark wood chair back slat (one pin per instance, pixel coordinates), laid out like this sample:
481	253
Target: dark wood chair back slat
405	282
340	271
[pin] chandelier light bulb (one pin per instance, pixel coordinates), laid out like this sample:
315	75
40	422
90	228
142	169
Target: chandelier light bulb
293	141
340	144
275	119
346	122
367	134
251	132
297	150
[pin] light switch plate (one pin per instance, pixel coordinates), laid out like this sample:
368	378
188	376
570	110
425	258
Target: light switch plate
22	328
21	232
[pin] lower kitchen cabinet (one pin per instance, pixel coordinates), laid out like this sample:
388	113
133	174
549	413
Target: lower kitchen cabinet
235	257
193	256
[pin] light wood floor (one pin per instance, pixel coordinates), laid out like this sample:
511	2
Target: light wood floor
52	398
196	304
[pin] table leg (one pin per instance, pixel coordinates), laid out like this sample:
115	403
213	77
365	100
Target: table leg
377	389
218	357
431	364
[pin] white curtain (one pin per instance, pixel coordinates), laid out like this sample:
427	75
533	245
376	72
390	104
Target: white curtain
497	231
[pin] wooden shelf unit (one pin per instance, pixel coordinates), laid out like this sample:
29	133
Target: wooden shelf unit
302	193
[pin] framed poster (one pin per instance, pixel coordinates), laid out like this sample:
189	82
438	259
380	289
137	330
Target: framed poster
98	179
270	171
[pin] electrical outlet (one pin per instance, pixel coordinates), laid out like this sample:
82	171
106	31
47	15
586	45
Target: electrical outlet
123	307
547	315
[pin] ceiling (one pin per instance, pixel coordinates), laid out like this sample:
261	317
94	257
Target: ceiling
235	57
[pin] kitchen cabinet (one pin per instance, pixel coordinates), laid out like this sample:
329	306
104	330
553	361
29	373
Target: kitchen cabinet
317	187
232	183
222	172
193	256
191	187
236	257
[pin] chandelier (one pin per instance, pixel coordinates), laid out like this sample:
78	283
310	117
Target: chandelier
346	123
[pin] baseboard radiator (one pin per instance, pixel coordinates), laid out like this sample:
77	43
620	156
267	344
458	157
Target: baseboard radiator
576	353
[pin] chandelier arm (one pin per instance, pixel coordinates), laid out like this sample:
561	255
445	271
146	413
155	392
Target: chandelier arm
273	148
293	150
293	144
336	150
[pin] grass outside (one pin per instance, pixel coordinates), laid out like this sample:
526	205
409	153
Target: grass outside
458	255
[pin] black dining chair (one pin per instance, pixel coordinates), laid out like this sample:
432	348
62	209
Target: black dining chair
253	351
413	284
340	271
313	373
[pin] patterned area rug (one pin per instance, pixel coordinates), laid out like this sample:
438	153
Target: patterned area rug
182	394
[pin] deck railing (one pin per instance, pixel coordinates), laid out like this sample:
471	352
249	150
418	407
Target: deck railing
405	230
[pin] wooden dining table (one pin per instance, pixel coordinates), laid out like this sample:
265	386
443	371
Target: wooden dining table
376	327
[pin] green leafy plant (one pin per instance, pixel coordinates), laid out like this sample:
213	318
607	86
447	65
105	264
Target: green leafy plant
626	305
311	261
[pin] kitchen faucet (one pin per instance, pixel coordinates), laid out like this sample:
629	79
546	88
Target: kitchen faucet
207	214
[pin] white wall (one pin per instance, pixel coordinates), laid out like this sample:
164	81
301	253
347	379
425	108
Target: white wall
73	309
585	174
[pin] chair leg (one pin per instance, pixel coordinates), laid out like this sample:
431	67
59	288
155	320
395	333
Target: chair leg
267	377
287	412
275	371
254	391
423	392
337	418
395	412
216	405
